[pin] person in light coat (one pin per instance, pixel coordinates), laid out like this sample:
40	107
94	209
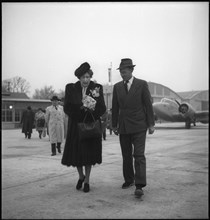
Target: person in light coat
55	121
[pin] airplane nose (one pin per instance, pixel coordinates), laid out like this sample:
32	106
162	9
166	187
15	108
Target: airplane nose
158	108
155	106
162	111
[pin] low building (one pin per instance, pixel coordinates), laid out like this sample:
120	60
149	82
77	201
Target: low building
159	91
198	99
13	105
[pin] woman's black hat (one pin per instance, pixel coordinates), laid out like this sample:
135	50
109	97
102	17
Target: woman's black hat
82	69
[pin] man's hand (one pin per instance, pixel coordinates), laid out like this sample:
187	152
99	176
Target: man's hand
151	129
115	130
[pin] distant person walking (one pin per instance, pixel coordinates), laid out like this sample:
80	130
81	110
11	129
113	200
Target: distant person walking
66	119
132	115
83	153
104	124
55	121
109	121
27	121
46	125
40	121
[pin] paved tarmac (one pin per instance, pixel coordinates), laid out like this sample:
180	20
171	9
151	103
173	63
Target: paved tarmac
36	186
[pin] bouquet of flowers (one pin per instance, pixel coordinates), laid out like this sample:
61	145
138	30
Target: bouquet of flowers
95	92
89	102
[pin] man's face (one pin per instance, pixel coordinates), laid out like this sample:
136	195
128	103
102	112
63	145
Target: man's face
126	73
54	102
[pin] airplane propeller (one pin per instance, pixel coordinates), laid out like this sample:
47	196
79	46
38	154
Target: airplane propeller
177	102
183	108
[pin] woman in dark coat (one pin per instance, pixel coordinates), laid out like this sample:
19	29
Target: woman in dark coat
27	122
87	152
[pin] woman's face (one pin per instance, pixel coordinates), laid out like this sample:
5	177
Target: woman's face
85	80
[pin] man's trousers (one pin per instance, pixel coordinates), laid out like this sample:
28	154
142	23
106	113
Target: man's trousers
133	146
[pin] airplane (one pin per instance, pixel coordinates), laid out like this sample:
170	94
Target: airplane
174	111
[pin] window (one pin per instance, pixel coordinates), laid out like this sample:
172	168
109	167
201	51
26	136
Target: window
159	90
9	115
7	112
151	88
166	92
17	115
3	115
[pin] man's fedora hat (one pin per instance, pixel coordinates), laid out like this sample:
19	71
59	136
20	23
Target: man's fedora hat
54	98
126	62
82	69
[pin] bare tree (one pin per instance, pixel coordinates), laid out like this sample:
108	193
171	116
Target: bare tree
16	84
5	86
45	93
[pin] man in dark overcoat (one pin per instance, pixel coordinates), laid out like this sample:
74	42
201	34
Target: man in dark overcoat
27	122
132	115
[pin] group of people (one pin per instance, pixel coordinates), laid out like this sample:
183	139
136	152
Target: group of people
30	120
50	121
131	117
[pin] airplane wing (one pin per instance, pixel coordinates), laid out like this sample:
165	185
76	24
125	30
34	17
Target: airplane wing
202	116
173	117
178	117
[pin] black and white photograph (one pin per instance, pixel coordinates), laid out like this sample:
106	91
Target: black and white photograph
105	110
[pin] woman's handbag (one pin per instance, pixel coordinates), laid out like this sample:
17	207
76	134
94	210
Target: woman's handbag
89	130
44	132
40	122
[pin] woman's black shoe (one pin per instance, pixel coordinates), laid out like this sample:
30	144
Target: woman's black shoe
86	187
79	183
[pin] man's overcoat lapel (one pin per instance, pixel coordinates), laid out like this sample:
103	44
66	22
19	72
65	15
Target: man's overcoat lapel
126	99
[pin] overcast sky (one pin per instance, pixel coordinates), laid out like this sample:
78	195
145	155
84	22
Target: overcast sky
168	42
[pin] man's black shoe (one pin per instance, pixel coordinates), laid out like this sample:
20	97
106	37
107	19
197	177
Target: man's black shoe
127	185
138	192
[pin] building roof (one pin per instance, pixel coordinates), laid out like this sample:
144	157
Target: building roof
14	95
177	94
26	100
189	94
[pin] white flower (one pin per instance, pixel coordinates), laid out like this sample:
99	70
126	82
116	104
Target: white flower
89	102
95	92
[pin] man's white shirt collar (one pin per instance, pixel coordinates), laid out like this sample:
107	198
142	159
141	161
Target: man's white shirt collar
130	81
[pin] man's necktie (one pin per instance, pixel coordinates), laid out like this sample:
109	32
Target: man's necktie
126	86
56	107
